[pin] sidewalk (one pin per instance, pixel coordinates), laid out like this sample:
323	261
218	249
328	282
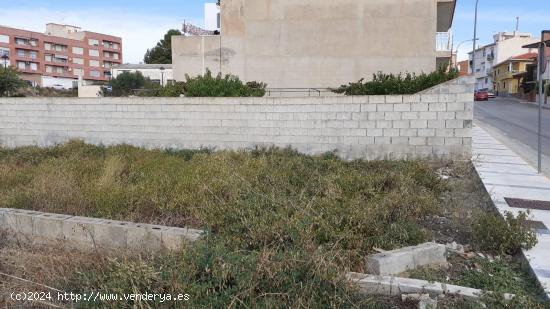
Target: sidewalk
545	106
506	175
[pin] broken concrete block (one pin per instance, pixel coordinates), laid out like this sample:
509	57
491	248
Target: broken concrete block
19	222
79	231
110	234
145	237
404	259
174	238
48	228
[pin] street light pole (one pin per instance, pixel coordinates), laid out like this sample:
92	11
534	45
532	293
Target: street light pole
459	45
474	46
541	68
162	76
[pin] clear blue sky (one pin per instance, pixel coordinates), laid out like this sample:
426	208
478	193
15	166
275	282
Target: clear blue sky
142	23
499	15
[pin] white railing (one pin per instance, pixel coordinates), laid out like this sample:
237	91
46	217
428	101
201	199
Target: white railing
444	42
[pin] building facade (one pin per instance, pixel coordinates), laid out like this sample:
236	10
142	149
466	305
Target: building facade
212	18
60	55
158	73
505	46
508	75
320	43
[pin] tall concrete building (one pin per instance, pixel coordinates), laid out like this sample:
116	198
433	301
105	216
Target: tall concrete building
320	43
60	55
505	46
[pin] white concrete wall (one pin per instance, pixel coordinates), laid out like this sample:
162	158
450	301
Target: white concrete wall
67	83
153	74
431	125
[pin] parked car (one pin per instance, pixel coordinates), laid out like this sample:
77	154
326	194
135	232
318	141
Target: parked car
491	94
481	95
58	87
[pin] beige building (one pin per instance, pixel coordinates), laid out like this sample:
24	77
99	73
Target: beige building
320	43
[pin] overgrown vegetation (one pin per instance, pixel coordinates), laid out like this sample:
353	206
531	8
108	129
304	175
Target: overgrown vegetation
508	236
499	275
10	82
126	82
227	86
388	84
282	227
134	83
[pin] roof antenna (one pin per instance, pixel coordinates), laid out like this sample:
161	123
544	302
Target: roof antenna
517	24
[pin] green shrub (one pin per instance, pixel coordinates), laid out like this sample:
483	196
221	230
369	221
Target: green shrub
229	86
126	82
504	236
10	82
172	90
388	84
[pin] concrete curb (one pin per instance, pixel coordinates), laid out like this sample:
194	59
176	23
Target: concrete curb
395	286
34	227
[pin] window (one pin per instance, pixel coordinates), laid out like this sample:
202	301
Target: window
4	38
33	54
219	21
49	69
106	54
34	66
115	56
60	48
94	52
95	74
78	72
21	65
48	58
20	53
47	46
93	42
78	61
78	50
115	45
94	63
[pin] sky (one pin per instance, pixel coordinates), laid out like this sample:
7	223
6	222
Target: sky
142	23
496	16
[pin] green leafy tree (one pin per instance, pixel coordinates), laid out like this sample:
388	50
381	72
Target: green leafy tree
162	53
124	83
9	82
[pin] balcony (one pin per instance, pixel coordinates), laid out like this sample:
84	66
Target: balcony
444	42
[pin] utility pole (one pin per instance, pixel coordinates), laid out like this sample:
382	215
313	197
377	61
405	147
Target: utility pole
541	68
474	47
517	24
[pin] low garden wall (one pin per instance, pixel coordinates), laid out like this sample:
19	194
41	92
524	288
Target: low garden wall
437	124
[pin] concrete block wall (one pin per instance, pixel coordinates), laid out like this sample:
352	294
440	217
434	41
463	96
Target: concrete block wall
32	227
437	124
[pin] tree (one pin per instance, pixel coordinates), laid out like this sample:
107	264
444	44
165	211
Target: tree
124	83
9	82
162	53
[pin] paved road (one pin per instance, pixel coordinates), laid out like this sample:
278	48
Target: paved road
516	125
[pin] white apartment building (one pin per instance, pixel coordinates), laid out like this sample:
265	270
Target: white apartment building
159	73
505	46
212	20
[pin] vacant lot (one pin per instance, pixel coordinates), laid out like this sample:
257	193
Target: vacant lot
283	227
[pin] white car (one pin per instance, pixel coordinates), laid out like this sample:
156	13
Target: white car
58	87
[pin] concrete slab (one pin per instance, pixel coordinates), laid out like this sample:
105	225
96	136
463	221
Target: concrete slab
506	174
401	260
